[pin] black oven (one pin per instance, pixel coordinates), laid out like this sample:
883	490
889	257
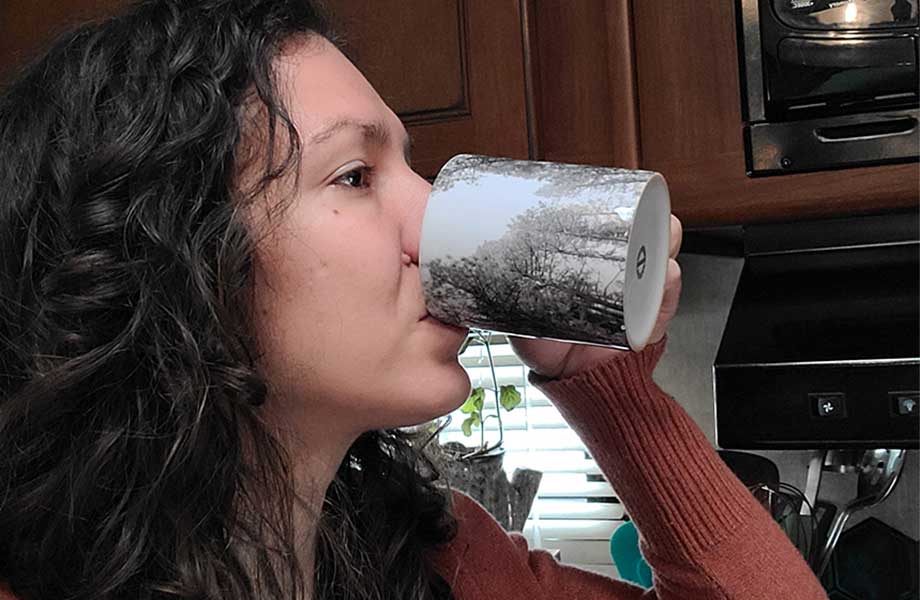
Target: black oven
828	83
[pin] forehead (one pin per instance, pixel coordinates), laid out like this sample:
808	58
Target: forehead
321	85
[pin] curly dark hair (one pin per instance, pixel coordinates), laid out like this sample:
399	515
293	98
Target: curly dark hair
134	459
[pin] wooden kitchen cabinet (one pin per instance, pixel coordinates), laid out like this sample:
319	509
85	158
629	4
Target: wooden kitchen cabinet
629	83
655	84
584	82
453	71
689	107
546	80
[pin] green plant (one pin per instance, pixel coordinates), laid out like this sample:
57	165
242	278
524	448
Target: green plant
507	398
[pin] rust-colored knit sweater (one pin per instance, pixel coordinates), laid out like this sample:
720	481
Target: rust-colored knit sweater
702	532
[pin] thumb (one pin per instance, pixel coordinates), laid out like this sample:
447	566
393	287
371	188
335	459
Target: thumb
669	302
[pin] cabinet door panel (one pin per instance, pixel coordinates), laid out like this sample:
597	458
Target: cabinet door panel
416	84
584	82
452	70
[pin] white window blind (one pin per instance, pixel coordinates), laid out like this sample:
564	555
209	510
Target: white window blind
576	510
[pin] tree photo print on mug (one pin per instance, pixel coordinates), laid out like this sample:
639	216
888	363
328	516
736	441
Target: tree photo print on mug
567	252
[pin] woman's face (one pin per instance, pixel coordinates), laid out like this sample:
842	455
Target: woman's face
339	304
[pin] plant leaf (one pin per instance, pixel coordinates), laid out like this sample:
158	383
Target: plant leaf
479	396
474	402
469	423
509	397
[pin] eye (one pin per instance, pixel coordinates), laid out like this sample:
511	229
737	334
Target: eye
359	177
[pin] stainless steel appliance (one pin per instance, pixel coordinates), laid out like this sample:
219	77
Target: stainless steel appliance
828	83
821	348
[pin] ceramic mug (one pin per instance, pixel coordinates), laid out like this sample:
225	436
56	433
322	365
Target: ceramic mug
538	249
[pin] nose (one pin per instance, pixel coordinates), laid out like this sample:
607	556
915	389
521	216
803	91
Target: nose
417	191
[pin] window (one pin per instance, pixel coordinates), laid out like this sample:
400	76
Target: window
576	510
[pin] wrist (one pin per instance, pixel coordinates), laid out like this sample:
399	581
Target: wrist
645	360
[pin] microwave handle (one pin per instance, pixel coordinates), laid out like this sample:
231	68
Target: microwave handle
866	131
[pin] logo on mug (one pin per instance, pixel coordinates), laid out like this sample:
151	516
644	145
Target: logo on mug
640	262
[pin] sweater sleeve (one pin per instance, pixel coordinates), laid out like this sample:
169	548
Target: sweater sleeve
484	562
702	531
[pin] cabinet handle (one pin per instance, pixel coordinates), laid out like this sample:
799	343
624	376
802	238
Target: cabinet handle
866	131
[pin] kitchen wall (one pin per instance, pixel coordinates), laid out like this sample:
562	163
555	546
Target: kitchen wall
686	372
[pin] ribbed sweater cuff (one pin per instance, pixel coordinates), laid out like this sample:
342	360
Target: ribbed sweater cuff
682	497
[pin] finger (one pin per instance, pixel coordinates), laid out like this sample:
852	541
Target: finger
669	301
672	285
677	236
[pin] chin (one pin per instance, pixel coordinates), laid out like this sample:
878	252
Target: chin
458	395
441	392
450	392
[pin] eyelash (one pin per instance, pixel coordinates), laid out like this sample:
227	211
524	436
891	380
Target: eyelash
367	173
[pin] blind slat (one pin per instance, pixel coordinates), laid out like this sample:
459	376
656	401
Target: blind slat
573	529
544	417
475	362
587	489
582	466
552	508
551	439
545	457
564	480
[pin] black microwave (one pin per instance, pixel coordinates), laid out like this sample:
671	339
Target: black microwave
828	83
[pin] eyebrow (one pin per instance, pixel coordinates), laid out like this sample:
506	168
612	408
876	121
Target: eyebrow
374	133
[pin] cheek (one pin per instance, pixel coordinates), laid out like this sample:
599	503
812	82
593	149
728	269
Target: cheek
327	304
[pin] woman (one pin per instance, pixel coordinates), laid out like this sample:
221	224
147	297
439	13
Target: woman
211	325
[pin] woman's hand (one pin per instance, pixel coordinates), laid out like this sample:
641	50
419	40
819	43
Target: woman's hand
560	359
